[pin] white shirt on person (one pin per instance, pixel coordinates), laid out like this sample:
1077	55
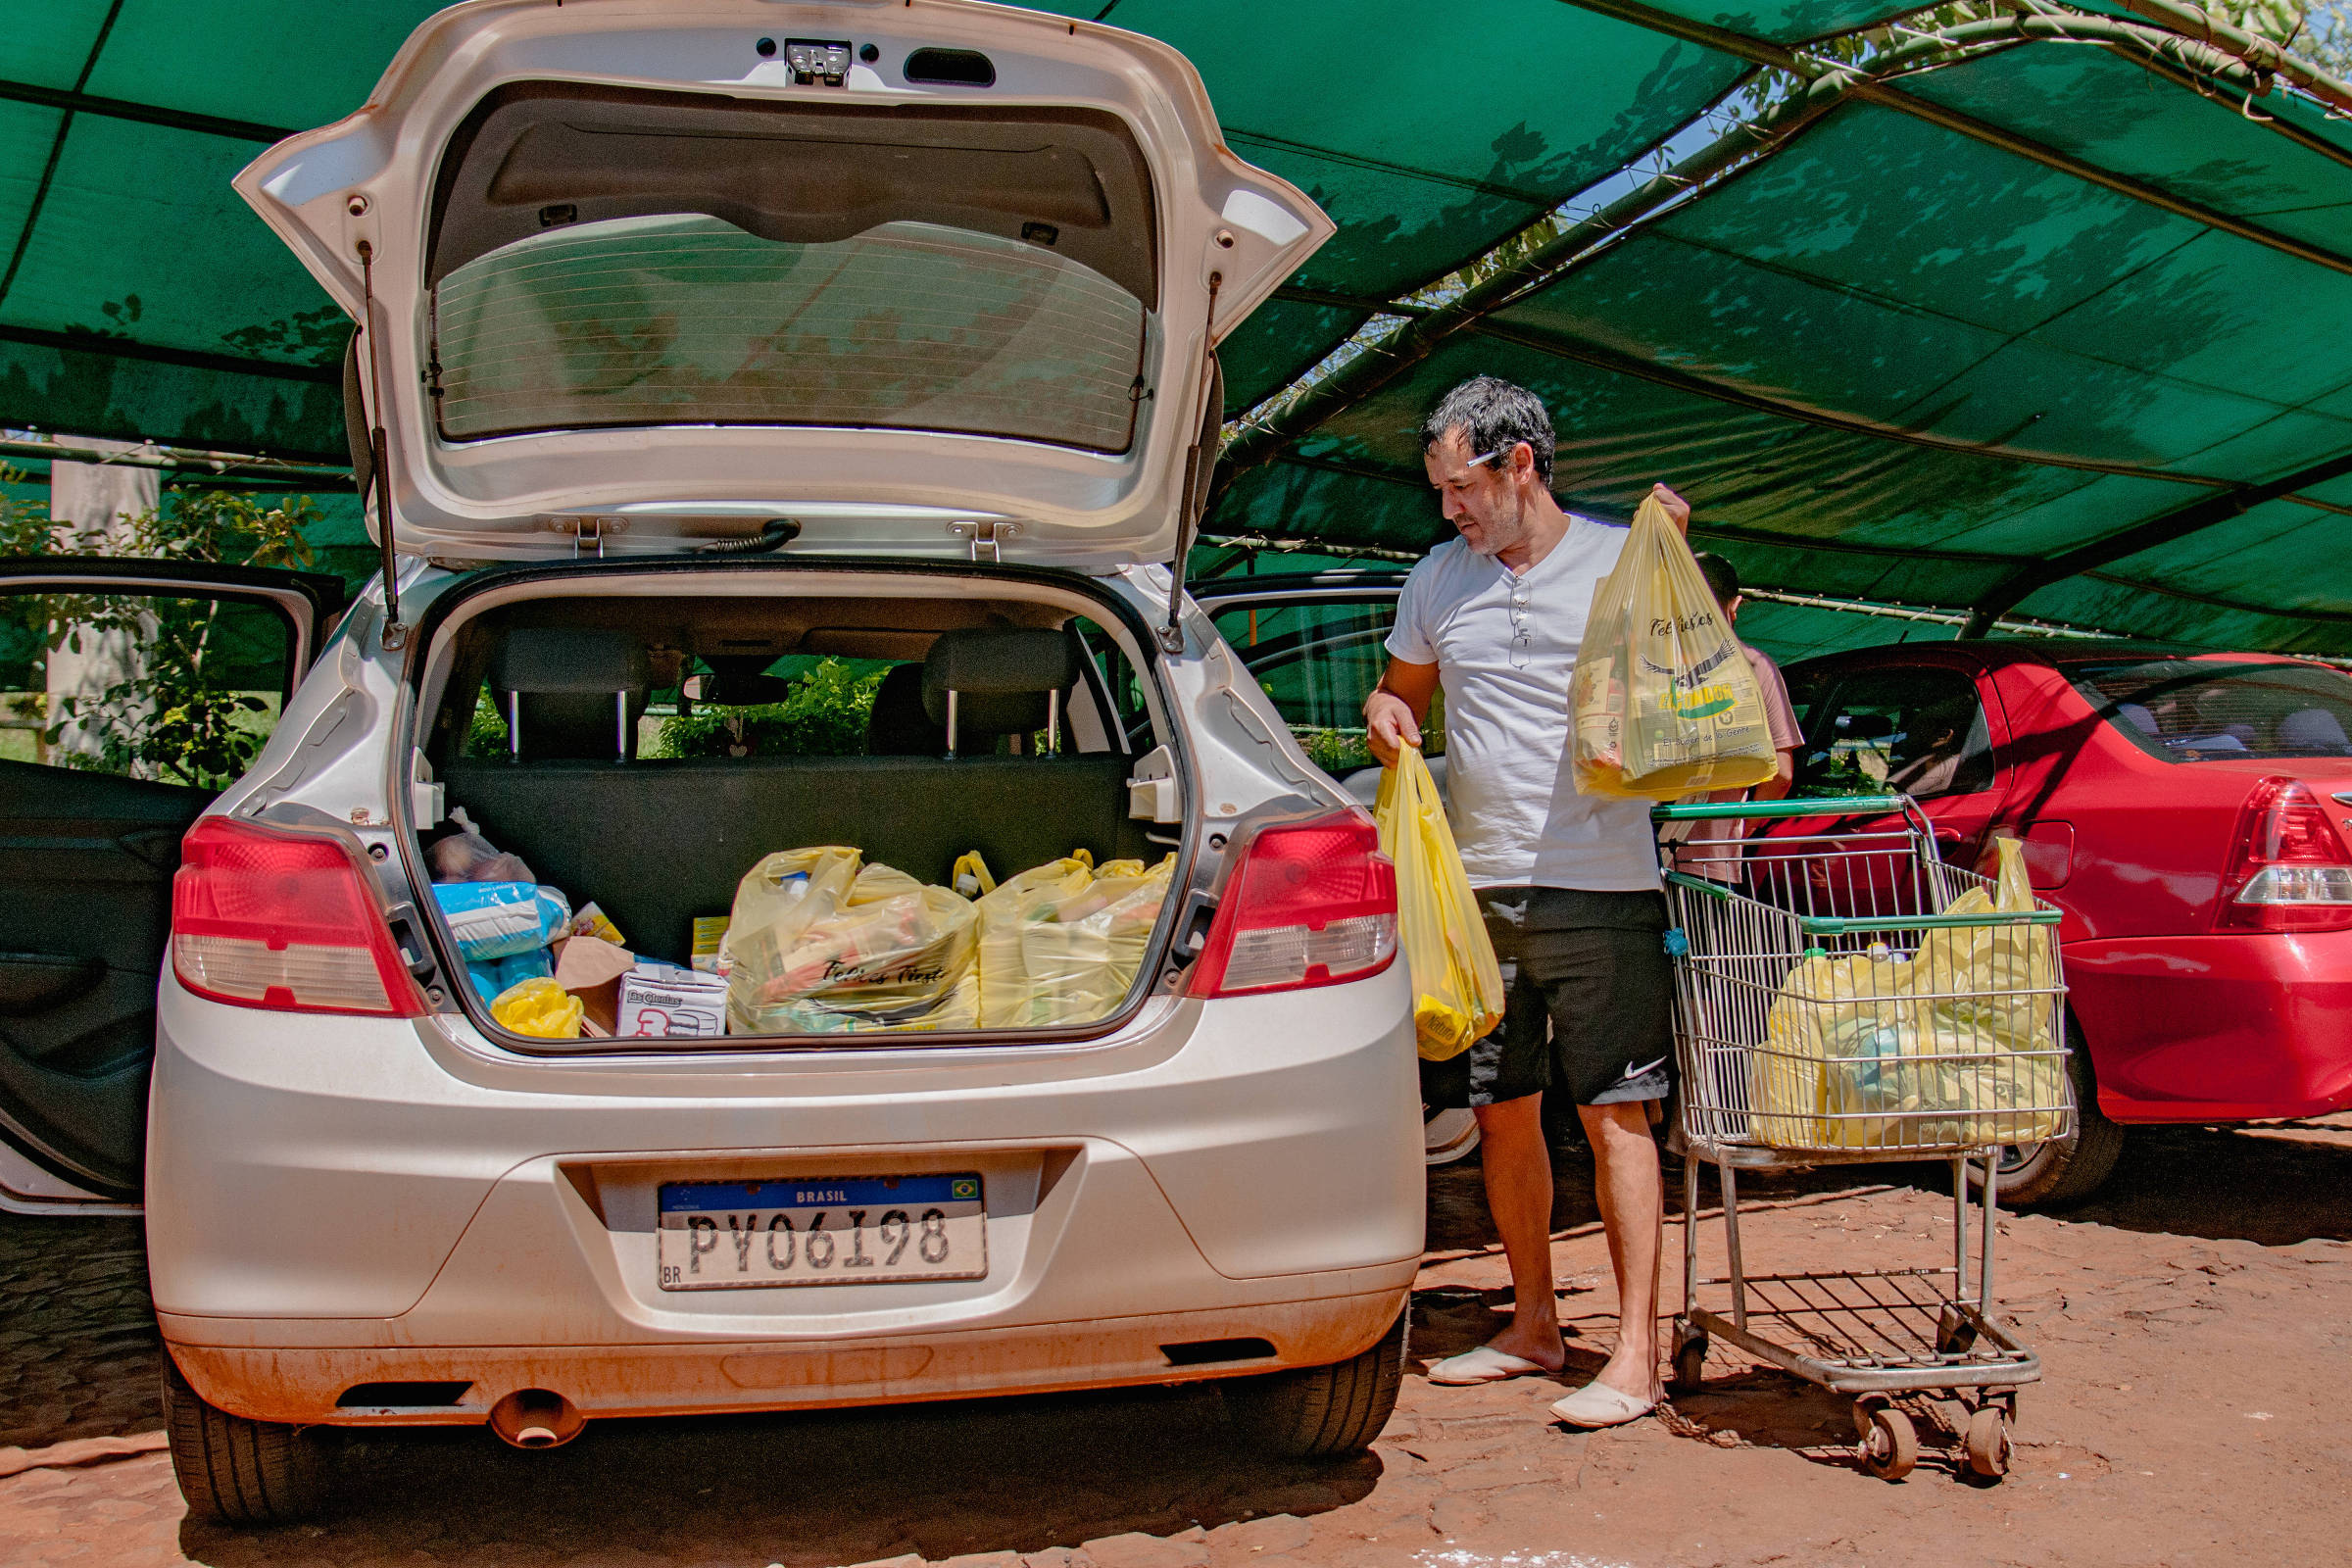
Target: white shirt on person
1512	798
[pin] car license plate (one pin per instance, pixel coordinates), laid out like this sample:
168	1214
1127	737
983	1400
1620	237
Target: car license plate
847	1230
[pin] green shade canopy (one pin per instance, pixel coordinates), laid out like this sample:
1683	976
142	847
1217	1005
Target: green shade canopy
2048	319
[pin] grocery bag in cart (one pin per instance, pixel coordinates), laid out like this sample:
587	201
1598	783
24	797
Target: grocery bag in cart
1457	986
1954	1042
1664	701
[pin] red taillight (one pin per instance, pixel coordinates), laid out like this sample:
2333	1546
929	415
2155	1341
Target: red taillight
270	917
1313	905
2290	870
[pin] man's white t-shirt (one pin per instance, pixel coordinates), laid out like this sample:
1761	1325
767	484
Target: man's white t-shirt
1512	799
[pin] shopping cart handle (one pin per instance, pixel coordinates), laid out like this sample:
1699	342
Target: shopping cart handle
1764	810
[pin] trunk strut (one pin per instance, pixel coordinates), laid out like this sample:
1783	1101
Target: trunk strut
395	635
1198	464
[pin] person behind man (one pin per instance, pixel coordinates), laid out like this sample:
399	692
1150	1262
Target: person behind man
1712	849
1568	883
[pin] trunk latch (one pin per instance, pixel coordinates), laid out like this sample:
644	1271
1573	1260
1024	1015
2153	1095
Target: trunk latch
985	538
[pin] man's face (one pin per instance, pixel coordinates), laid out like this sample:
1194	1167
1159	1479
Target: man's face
1483	503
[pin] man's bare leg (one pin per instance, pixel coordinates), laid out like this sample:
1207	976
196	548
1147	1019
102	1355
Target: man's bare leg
1517	1165
1632	1195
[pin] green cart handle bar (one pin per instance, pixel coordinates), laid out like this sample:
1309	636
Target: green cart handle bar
1842	926
1822	925
1766	810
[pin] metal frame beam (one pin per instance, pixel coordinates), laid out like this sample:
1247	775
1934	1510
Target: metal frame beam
2161	530
85	103
123	348
1563	346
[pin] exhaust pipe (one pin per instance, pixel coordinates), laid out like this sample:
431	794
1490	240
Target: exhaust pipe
536	1418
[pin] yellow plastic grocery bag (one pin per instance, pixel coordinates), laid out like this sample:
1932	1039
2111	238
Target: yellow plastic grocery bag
1994	987
1457	986
1665	702
1065	954
541	1009
823	945
1953	1044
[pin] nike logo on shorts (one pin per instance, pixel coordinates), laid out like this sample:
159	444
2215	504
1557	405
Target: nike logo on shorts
1645	1070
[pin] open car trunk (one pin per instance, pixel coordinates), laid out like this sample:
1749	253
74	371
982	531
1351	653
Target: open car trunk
644	739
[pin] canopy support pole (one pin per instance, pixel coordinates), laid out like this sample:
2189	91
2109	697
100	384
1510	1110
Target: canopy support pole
2161	530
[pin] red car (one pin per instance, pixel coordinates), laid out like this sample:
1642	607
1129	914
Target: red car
2191	814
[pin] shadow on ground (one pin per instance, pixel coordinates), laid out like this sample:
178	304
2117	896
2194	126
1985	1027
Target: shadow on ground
2274	1185
829	1487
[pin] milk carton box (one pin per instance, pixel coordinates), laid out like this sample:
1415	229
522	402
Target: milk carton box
661	1001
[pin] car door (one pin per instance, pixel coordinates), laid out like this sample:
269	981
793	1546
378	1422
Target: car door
1316	645
131	692
1930	731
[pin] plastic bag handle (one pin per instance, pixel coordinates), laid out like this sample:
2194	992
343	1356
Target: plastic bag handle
969	861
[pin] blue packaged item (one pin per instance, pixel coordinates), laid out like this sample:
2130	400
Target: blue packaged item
501	919
497	976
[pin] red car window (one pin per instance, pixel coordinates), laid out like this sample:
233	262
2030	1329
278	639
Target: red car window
1919	731
2191	709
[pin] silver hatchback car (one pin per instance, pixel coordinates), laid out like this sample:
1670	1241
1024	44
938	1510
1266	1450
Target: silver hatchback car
710	354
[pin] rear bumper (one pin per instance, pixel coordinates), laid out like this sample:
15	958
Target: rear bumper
303	1384
2217	1028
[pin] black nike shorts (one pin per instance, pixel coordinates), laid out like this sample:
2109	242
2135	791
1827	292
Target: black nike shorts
1592	967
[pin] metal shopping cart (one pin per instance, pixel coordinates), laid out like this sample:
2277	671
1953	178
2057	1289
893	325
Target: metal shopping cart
1843	996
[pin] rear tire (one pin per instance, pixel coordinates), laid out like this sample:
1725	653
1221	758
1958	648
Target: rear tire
2068	1169
236	1471
1323	1413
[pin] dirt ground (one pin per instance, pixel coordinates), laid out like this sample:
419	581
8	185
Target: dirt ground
2192	1324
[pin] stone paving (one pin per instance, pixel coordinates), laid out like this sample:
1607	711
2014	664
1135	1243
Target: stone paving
2193	1323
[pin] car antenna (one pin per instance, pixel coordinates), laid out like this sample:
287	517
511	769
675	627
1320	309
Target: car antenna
395	635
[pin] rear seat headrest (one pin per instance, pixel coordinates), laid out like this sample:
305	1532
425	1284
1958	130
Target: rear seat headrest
571	661
571	693
1000	677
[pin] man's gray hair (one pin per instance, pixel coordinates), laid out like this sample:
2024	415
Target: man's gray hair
1491	413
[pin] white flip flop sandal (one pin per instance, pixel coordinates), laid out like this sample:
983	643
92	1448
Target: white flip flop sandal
1596	1404
1486	1364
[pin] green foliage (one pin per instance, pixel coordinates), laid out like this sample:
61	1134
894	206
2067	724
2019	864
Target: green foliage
824	715
486	733
1337	751
181	713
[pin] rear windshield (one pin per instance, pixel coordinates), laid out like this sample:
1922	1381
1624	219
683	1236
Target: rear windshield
685	318
2193	710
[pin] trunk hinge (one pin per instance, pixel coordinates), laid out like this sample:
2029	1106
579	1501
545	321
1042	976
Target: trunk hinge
395	635
1199	463
986	539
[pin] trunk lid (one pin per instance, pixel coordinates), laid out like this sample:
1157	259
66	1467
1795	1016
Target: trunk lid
647	274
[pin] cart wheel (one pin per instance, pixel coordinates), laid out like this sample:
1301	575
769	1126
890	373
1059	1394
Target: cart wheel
1988	1443
1689	1363
1890	1446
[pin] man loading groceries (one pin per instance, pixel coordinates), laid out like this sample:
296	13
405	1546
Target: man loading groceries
1568	883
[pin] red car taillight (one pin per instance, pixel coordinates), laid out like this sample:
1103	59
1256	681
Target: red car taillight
2290	870
270	917
1313	905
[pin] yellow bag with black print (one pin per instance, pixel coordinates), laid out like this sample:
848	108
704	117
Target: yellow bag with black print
1457	986
1664	701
